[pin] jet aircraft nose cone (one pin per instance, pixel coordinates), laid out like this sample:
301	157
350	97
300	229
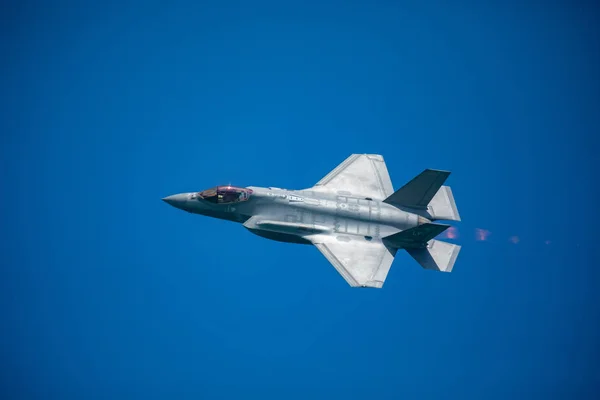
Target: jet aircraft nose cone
176	200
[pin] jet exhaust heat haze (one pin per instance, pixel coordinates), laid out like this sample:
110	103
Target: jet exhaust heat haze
352	216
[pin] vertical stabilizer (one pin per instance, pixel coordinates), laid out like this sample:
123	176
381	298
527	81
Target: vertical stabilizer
426	195
420	190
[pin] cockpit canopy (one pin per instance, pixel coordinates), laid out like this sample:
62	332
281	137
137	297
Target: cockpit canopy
224	194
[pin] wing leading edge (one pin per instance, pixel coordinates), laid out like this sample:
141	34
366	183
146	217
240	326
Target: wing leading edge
360	174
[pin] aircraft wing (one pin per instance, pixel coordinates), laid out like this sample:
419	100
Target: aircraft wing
362	263
360	174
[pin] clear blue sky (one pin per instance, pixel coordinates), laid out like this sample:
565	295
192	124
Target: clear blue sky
107	292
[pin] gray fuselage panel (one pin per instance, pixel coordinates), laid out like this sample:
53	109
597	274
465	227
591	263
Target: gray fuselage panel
337	214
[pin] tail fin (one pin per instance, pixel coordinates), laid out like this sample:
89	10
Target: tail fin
416	237
425	192
437	256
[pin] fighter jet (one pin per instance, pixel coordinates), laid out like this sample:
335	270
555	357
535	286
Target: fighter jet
352	216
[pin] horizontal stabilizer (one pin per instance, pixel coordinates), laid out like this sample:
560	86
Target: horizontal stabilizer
437	256
442	206
420	190
415	237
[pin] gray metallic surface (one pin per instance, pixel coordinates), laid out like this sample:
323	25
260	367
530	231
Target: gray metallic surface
352	216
